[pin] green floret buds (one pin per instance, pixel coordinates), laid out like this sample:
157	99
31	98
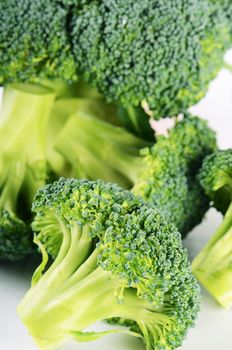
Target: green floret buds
34	41
15	237
164	53
213	265
169	178
216	179
117	257
224	9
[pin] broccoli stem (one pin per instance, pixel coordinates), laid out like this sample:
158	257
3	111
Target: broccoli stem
70	297
74	308
23	124
11	183
213	266
96	149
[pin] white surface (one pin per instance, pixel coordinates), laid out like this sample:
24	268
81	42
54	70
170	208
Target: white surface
213	327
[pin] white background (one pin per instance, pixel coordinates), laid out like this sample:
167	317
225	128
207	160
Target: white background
214	325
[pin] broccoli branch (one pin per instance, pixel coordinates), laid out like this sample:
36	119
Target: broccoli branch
74	294
23	166
213	266
96	149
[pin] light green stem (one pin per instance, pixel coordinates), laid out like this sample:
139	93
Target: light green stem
102	150
213	266
220	232
23	121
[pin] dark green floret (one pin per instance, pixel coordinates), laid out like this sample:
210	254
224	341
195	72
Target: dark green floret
169	179
117	257
216	179
158	55
23	165
224	9
161	53
15	237
34	41
213	265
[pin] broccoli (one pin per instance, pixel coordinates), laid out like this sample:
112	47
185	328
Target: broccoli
151	53
161	52
114	257
23	167
96	149
61	111
224	9
213	265
34	41
169	179
163	174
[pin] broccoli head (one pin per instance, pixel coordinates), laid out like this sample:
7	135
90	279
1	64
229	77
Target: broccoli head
114	257
34	41
224	9
15	237
213	265
23	165
164	53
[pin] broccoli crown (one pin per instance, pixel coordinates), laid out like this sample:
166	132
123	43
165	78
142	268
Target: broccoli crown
23	165
164	53
15	237
216	178
34	41
224	9
169	179
114	248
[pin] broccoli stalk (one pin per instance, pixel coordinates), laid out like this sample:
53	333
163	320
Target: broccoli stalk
163	174
95	293
96	149
62	110
23	166
213	265
114	257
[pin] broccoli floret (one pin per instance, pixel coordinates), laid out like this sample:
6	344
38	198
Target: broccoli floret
115	257
169	179
163	174
23	166
223	8
114	48
34	41
135	52
213	265
15	237
165	53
